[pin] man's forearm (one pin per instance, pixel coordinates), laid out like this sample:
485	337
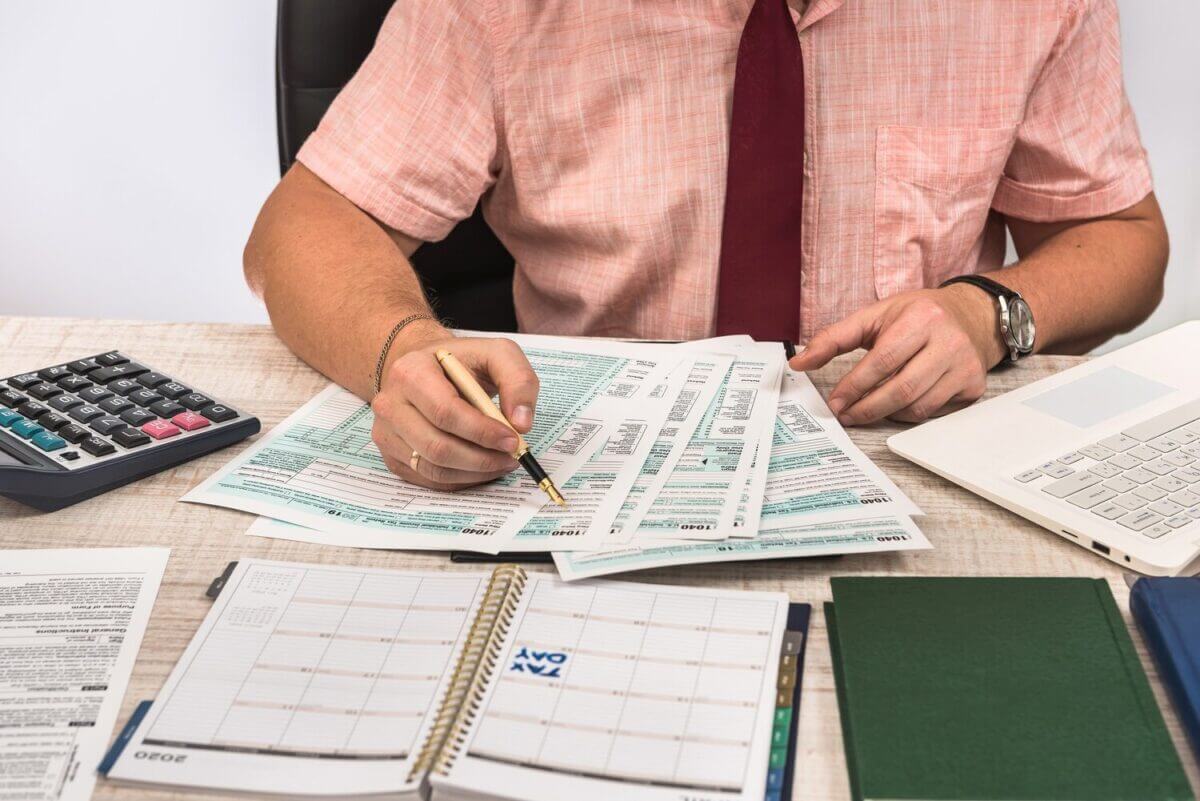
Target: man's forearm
1089	281
334	281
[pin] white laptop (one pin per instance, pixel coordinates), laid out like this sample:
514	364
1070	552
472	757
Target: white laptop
1106	454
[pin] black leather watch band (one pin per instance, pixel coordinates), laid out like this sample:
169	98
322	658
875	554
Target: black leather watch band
986	284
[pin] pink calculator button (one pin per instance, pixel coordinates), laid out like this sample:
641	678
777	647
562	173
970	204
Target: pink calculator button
160	429
190	421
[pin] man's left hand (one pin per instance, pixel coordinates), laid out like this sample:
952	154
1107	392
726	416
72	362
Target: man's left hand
928	353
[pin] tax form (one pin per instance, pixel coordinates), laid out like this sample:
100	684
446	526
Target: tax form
691	403
71	623
319	468
864	535
700	498
816	473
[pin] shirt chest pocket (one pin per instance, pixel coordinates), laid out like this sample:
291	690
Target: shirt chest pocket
933	190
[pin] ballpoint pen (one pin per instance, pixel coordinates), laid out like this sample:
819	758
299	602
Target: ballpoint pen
469	388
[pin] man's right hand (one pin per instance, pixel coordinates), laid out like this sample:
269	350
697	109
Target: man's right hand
418	409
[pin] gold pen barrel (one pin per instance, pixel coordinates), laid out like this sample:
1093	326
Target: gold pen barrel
466	384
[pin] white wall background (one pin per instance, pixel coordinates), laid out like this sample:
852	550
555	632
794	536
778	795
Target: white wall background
137	142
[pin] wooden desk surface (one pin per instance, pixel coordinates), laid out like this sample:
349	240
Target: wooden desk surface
247	366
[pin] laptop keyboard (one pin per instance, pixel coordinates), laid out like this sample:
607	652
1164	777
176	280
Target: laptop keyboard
1145	479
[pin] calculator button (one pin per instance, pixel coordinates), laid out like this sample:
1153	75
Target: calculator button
44	391
82	367
1071	458
1120	484
135	417
1170	484
111	358
49	442
74	433
218	413
107	425
115	404
160	429
97	446
1028	475
166	408
125	386
102	375
1191	475
10	398
74	383
172	390
144	397
195	401
1179	459
54	373
94	394
1139	475
24	380
8	417
1130	502
26	428
132	438
1178	521
32	410
152	379
1164	444
190	421
52	421
86	413
64	403
69	456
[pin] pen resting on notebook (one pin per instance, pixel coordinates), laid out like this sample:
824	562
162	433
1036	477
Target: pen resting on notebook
469	388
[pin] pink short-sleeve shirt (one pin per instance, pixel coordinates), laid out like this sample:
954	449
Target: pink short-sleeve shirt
596	136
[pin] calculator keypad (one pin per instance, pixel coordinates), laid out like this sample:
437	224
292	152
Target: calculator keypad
102	407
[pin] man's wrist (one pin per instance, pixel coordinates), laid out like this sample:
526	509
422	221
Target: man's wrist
978	312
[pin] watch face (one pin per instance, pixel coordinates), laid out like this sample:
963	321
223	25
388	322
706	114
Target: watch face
1020	320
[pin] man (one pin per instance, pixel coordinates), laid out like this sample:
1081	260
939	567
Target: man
676	170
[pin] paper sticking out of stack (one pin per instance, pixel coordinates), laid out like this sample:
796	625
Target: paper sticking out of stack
667	453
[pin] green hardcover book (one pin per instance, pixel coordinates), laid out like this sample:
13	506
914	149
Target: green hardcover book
1005	689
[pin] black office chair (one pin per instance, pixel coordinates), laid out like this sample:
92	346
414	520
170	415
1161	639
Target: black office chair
319	46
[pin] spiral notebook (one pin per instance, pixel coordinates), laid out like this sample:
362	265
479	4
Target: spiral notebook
319	680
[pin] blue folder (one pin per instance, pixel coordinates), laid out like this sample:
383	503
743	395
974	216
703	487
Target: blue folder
1167	610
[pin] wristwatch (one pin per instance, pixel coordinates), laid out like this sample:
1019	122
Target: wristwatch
1017	330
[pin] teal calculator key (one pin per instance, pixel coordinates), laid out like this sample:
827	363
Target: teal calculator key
26	428
49	442
783	716
779	737
8	417
778	758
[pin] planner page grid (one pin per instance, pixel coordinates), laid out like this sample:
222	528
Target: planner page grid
634	684
319	662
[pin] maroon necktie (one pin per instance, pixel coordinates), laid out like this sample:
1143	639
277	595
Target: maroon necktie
759	285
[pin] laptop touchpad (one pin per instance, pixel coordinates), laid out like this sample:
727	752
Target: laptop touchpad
1097	397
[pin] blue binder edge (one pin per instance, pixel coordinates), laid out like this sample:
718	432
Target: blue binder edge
1158	606
798	617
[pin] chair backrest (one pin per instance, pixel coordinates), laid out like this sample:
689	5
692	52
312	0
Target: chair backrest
319	46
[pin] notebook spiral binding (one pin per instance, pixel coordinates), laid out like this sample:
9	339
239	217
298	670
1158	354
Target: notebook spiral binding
472	672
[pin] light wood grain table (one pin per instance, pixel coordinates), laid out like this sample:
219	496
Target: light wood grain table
249	367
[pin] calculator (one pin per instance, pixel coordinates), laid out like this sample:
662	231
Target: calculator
72	431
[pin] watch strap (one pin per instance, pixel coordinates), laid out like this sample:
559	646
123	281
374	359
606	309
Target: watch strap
984	283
